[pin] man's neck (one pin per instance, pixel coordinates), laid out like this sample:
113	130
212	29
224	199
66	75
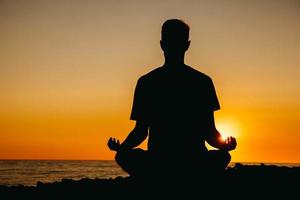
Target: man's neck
174	63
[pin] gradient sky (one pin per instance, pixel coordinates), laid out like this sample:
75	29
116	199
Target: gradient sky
68	70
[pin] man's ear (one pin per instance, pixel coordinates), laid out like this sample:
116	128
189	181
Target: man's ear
187	45
162	45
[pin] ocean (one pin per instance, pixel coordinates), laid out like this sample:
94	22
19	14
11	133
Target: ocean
29	172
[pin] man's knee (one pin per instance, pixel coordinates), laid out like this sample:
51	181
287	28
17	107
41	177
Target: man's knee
219	159
226	157
120	157
130	157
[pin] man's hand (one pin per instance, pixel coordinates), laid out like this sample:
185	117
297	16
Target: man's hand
229	144
113	144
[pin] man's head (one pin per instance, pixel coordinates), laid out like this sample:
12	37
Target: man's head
175	37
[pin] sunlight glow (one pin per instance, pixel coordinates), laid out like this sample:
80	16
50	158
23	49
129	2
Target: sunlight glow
227	129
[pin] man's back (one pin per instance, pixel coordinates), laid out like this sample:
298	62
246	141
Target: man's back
175	102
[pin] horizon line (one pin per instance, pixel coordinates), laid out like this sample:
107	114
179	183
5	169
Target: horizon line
243	162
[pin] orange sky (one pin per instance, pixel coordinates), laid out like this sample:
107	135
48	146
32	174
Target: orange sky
68	71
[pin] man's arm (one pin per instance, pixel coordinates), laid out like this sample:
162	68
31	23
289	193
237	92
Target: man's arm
139	113
214	138
134	138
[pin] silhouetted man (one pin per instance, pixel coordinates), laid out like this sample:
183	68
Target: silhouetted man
174	106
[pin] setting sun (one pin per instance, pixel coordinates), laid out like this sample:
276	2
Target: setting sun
227	129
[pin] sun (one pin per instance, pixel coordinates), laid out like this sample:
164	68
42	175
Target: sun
226	129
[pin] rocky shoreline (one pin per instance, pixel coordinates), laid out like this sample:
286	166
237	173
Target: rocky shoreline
250	180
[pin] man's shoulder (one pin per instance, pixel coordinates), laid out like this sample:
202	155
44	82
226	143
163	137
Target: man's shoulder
152	74
197	74
158	73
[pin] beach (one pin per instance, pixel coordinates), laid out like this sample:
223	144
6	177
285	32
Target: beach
241	179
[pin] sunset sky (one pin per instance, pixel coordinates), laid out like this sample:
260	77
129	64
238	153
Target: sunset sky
68	70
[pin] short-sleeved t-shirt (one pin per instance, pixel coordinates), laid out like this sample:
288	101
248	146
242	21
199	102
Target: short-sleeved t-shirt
175	103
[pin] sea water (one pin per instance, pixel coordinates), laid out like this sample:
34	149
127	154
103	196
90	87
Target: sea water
29	172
